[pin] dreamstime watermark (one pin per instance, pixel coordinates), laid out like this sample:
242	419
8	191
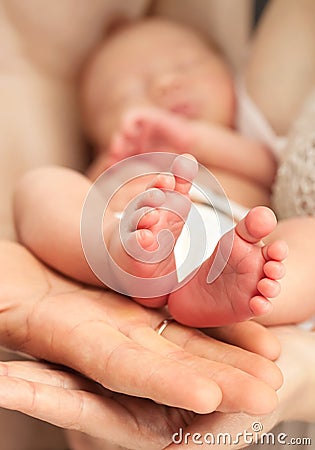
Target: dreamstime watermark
119	177
248	437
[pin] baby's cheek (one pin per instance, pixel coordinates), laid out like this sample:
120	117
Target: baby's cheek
219	102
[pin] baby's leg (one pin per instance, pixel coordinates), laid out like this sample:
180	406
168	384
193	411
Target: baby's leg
143	245
248	279
47	207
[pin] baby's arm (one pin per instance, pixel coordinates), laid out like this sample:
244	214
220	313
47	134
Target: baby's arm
48	204
153	129
224	148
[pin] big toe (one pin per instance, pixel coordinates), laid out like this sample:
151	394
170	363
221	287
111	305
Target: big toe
185	169
259	222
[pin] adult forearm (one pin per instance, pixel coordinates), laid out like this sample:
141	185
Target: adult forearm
38	126
280	70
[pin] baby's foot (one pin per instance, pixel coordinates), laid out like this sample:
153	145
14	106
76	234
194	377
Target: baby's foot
150	227
247	281
150	129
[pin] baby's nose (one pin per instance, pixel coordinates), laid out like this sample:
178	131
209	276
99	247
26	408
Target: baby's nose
165	85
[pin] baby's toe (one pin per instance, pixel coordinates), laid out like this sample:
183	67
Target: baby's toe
145	238
137	241
277	251
274	270
185	169
139	218
163	181
259	223
260	305
152	197
268	288
147	218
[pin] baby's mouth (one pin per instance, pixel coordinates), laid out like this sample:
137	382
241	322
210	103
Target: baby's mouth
185	109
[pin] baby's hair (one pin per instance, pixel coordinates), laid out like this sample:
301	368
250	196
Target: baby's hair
123	23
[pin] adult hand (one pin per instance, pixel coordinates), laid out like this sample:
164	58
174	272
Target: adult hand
113	341
73	402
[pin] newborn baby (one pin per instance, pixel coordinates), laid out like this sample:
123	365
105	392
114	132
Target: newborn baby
157	86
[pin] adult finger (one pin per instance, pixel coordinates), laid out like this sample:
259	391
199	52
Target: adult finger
197	343
128	422
132	358
84	333
250	336
46	373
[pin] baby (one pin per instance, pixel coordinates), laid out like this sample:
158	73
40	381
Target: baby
157	86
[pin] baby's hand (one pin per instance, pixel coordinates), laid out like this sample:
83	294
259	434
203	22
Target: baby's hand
150	129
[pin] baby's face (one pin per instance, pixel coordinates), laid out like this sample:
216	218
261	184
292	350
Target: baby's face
161	64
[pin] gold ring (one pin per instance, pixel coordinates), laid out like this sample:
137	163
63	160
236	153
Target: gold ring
161	327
